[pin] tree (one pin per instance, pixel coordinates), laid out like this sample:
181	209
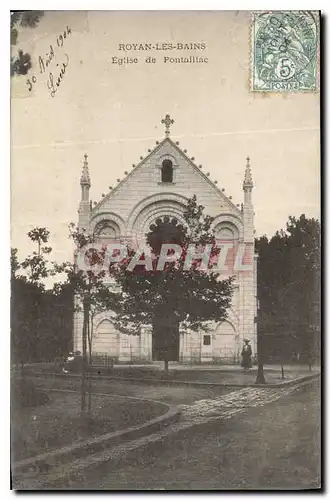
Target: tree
289	289
27	298
21	63
91	291
175	296
14	262
57	322
41	319
24	296
36	265
304	292
27	308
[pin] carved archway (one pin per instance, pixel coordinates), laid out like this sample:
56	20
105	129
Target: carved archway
231	222
148	210
108	218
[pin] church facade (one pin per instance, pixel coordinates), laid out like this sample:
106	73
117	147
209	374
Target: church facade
159	186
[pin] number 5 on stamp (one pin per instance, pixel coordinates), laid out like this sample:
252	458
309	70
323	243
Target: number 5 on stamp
285	51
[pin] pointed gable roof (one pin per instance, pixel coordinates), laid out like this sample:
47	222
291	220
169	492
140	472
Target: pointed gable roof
153	152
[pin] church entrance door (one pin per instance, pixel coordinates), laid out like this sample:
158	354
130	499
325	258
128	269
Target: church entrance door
165	337
165	340
206	347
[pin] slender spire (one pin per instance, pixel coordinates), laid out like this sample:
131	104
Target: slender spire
248	181
85	177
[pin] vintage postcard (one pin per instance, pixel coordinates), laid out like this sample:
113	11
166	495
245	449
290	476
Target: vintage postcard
165	250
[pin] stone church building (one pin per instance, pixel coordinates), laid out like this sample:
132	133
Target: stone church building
159	186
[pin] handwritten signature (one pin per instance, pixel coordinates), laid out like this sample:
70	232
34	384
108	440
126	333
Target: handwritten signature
54	83
46	60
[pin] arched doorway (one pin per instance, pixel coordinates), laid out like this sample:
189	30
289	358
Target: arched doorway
106	340
224	341
164	230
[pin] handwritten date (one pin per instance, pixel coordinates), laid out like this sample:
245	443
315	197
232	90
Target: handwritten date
45	61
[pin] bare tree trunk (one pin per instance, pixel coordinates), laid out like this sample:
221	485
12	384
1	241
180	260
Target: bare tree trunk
90	336
260	368
89	364
282	370
89	352
89	393
260	374
166	366
83	379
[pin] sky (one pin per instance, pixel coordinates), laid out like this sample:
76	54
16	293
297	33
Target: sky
113	113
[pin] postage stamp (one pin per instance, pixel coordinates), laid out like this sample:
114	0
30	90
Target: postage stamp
284	51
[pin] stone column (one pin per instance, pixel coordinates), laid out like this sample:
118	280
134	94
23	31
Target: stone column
146	344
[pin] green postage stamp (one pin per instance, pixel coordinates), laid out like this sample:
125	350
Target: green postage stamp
285	51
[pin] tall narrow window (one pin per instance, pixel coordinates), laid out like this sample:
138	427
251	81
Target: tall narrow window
167	171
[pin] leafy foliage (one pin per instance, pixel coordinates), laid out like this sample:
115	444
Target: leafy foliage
92	292
41	320
36	265
289	289
14	262
21	64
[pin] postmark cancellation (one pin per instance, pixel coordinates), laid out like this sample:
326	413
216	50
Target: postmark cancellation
285	51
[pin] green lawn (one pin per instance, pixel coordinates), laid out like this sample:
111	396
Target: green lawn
175	395
59	423
238	376
272	447
223	375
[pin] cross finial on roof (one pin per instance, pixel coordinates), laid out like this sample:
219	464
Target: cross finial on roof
85	157
167	121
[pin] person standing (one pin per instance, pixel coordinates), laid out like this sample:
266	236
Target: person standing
246	354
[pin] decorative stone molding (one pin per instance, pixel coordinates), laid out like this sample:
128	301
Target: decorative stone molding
110	217
232	220
147	205
226	231
158	166
147	217
166	156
